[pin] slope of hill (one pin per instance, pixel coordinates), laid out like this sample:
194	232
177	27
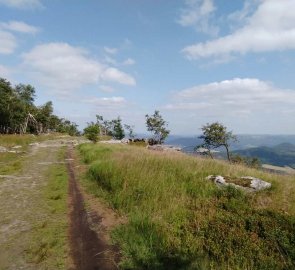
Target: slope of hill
176	219
280	155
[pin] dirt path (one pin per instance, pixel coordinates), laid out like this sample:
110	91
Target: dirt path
89	248
19	207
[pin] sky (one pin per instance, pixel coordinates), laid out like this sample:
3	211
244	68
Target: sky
196	61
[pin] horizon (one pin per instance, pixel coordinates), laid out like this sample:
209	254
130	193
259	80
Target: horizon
196	61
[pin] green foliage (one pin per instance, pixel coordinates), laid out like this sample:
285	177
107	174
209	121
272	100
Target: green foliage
19	114
179	220
158	126
216	135
118	131
253	162
130	130
91	132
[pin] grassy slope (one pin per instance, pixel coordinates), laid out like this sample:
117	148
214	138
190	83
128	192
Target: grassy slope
179	220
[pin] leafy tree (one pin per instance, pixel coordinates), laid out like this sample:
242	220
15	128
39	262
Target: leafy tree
91	132
130	130
158	126
19	114
215	135
118	131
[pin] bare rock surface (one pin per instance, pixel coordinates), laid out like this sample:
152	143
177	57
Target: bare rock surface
247	183
160	147
3	149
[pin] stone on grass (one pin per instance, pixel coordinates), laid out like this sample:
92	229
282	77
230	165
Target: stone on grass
247	183
3	149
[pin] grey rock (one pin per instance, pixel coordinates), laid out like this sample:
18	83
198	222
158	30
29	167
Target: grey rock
3	149
255	184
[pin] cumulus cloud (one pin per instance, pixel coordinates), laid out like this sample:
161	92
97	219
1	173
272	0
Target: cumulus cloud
270	28
115	75
107	102
22	4
198	14
8	42
246	105
110	50
234	95
18	26
129	62
64	67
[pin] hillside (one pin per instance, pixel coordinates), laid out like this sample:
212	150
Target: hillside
176	219
244	141
280	155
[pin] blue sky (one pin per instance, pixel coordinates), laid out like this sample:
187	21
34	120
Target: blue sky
197	61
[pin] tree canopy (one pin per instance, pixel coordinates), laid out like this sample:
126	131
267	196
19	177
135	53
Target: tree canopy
158	126
19	114
215	135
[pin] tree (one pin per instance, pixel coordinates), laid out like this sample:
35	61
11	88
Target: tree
130	130
118	131
91	132
215	135
158	126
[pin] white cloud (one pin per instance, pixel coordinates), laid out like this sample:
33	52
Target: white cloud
247	105
198	14
113	74
19	26
63	67
106	88
129	62
107	102
22	4
270	28
7	42
110	50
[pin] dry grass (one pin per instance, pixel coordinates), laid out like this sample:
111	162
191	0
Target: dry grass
180	220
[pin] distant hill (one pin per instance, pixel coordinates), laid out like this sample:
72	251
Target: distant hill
244	141
280	155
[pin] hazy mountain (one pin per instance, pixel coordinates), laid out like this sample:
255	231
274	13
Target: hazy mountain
280	155
244	141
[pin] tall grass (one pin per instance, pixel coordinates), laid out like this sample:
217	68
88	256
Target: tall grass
180	220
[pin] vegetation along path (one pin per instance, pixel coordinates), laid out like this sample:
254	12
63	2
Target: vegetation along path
89	248
44	223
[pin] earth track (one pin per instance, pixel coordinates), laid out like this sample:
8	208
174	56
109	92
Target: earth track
89	249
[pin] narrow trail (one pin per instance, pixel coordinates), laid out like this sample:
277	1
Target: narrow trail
89	249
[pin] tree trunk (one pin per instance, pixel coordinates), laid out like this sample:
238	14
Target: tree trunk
227	152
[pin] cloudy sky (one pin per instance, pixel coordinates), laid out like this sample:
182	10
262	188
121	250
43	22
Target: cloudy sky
197	61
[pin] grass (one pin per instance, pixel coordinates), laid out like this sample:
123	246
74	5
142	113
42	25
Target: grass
49	239
179	220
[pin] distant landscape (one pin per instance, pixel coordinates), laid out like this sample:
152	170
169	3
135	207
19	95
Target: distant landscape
276	150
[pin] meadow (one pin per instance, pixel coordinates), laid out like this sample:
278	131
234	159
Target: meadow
176	219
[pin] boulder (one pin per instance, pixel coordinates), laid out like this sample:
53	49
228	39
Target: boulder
161	147
3	149
247	183
16	147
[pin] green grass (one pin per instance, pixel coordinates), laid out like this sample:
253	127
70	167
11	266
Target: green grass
179	220
49	239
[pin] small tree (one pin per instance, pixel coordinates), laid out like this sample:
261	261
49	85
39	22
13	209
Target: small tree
91	132
158	126
130	130
118	131
216	135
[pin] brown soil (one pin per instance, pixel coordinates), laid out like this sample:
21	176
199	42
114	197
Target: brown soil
89	246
